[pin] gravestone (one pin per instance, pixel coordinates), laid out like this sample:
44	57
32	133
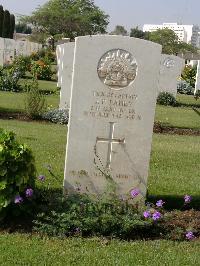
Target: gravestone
170	69
59	56
1	51
66	74
21	48
9	51
197	82
114	90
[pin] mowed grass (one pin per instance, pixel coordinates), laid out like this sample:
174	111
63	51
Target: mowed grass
174	167
15	102
48	143
19	249
174	171
181	117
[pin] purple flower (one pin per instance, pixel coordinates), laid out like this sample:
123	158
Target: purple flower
160	203
156	216
18	199
189	235
29	192
135	192
187	198
41	178
146	214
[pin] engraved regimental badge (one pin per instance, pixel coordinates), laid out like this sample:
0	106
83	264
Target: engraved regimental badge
117	69
169	62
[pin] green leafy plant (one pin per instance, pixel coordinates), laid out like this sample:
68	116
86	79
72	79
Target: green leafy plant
165	98
35	103
41	69
60	116
17	173
9	79
184	88
22	64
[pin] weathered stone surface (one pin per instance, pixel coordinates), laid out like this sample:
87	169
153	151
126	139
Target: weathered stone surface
170	70
66	70
114	92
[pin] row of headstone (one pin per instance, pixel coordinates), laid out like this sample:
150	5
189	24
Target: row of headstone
111	84
10	48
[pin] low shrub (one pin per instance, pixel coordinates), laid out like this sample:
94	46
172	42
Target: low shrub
60	116
17	174
41	70
185	88
22	64
81	215
35	103
165	98
9	79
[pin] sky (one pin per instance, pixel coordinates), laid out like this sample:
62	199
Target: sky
129	13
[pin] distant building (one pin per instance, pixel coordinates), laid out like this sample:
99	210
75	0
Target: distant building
186	33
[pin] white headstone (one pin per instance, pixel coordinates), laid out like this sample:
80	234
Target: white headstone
9	51
197	83
170	70
59	56
1	51
20	48
114	92
66	80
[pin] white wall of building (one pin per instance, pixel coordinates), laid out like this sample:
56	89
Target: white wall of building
185	33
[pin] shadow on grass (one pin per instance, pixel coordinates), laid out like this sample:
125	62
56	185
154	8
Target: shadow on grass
196	111
173	202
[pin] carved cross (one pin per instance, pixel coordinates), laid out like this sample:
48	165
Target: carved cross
110	140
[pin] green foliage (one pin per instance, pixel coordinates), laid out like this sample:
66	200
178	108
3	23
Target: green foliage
22	64
9	78
35	104
6	24
12	26
41	69
165	98
60	116
1	19
81	215
135	32
189	75
169	41
184	88
70	18
119	30
167	38
17	170
47	54
23	28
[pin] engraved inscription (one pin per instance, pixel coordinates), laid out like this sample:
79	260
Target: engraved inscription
169	62
117	68
113	106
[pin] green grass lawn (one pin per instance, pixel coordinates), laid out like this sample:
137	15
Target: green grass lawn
174	172
185	117
15	102
19	249
44	85
182	117
187	100
174	168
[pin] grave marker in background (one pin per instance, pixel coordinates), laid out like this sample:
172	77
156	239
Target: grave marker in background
66	74
170	69
197	83
114	91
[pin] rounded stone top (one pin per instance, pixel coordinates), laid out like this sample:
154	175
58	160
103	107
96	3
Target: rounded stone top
117	69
